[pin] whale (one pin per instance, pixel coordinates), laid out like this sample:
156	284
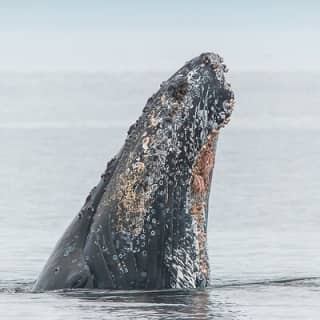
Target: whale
144	225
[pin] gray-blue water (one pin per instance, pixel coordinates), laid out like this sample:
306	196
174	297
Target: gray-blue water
57	131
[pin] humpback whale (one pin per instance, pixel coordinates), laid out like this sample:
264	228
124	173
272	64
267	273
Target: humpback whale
144	226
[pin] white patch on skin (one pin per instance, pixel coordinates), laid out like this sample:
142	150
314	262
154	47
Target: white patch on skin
145	143
186	262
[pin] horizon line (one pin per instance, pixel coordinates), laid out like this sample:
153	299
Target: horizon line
110	71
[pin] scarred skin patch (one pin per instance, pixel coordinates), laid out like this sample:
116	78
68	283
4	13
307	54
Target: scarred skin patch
204	165
131	204
201	179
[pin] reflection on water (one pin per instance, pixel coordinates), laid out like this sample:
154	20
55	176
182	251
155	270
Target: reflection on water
151	305
230	301
224	302
105	304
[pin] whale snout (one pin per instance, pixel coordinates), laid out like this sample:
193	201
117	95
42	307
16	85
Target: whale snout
197	98
211	58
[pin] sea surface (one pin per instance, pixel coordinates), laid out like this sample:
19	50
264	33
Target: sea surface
57	132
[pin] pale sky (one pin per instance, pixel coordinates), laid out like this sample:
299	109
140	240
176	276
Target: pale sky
146	35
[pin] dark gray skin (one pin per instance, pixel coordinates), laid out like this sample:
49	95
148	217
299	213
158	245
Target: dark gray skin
144	225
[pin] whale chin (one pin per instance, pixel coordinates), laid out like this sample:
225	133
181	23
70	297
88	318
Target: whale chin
144	226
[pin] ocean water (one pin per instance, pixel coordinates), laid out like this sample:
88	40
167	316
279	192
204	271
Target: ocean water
57	132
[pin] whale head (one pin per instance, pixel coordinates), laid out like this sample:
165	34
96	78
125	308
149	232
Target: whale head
193	104
144	226
155	205
179	131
